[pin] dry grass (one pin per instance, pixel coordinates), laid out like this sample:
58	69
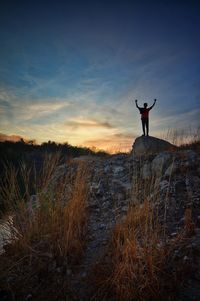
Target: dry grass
141	263
185	136
47	242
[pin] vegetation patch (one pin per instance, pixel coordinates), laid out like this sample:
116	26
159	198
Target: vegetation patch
46	243
143	262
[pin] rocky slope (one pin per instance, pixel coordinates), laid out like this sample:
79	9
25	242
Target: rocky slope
155	170
167	176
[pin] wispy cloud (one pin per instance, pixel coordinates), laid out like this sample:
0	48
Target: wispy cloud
15	138
78	123
174	120
117	142
17	109
40	109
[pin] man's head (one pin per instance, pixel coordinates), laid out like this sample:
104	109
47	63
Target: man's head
145	105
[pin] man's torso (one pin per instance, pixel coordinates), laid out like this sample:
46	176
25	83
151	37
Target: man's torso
144	113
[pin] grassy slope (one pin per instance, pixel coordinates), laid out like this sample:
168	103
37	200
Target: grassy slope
139	264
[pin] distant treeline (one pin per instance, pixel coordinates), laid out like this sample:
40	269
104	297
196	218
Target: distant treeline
15	152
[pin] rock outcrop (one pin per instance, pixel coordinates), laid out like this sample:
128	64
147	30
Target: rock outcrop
147	145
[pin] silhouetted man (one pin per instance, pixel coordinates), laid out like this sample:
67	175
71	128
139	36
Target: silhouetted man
145	116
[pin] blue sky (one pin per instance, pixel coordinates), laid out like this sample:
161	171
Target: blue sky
69	70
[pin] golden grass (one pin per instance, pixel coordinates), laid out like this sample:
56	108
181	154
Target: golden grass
140	263
46	243
185	136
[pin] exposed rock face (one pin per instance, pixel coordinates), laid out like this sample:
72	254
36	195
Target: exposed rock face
146	145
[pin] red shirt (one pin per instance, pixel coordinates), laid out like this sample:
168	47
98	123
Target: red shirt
144	112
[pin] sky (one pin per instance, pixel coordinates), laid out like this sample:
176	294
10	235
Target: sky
71	70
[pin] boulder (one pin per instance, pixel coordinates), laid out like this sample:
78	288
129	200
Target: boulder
157	166
160	163
147	145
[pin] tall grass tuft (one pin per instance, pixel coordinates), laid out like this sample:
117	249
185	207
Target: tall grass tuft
141	262
185	136
46	242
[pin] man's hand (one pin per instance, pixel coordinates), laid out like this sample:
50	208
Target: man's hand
136	101
155	100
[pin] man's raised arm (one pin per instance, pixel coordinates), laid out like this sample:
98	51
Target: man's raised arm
136	104
153	104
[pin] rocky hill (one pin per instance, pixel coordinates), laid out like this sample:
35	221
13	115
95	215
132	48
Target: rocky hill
155	171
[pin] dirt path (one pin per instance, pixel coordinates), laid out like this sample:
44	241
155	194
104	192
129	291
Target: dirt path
104	212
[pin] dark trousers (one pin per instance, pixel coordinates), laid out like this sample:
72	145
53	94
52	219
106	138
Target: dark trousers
145	125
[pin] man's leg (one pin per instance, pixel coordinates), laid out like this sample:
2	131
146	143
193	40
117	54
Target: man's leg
147	126
143	126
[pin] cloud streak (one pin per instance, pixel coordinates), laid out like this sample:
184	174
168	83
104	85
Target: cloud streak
78	123
14	138
27	109
118	142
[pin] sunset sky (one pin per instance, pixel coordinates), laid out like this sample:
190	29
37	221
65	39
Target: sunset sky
70	70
